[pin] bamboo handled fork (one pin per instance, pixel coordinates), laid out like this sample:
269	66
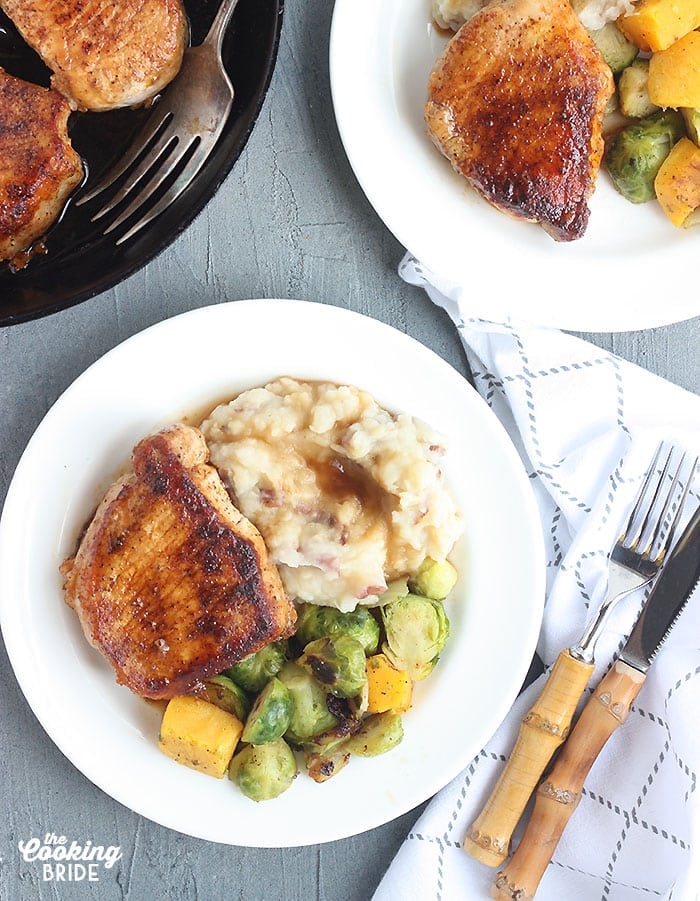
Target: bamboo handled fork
634	561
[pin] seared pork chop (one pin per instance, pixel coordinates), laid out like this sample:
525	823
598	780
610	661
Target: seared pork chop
104	54
516	103
170	581
38	165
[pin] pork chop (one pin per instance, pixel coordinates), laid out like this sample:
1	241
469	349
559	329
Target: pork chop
516	103
170	582
38	165
104	54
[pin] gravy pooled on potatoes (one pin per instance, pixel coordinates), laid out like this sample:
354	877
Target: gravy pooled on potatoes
346	495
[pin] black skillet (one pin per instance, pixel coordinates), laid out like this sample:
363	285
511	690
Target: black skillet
79	261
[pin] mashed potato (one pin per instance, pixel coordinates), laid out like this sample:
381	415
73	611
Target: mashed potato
594	14
454	13
346	495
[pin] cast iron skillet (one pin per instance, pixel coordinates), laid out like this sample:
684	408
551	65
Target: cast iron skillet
80	262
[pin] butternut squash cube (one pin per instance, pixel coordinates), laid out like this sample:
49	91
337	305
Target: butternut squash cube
656	24
388	688
674	74
677	183
199	735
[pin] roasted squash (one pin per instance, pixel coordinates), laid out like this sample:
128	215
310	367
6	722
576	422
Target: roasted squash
388	688
674	74
199	735
656	24
677	183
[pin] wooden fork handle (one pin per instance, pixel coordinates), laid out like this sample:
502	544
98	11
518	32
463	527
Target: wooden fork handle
543	729
559	794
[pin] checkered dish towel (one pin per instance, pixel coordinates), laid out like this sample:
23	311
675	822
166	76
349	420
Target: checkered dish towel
586	424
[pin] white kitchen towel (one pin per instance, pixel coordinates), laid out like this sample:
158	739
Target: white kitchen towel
586	424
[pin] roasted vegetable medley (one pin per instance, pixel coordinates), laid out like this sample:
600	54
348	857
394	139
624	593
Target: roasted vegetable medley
336	689
654	54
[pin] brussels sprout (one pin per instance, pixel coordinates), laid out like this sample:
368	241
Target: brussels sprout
347	724
434	579
324	765
633	89
310	715
638	150
224	693
338	662
255	671
416	631
263	772
271	714
319	622
618	52
379	734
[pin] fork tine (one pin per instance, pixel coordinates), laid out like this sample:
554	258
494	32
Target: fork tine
150	130
668	542
661	518
639	502
170	195
139	179
652	505
191	168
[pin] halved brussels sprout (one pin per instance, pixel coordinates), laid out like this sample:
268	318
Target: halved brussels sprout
416	630
255	671
224	693
310	715
635	155
347	723
263	772
271	714
379	733
315	622
321	766
434	579
338	662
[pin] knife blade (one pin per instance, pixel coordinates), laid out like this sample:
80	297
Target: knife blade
558	795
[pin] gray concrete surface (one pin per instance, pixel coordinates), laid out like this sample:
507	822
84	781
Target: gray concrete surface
290	221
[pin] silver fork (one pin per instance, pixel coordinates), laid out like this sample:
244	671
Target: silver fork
180	133
640	550
635	559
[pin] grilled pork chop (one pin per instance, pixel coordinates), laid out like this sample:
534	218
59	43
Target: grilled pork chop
516	103
104	54
38	165
170	581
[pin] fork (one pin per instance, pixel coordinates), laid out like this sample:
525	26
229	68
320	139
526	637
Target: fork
634	560
177	137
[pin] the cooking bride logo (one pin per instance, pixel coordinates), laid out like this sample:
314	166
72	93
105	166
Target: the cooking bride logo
62	861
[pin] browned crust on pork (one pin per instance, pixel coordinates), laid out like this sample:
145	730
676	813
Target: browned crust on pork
38	166
171	583
516	103
103	54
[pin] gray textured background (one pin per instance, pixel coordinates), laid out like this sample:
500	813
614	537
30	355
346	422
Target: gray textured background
290	221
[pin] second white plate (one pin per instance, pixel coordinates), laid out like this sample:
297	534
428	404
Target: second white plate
629	271
181	368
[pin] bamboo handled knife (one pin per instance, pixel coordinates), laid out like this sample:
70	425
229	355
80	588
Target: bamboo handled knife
546	725
558	795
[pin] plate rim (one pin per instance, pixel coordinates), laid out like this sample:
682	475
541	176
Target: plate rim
13	644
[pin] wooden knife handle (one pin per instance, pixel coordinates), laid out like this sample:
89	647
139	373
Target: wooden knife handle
559	794
543	729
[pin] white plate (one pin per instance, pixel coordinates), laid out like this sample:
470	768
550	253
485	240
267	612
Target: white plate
186	364
629	271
